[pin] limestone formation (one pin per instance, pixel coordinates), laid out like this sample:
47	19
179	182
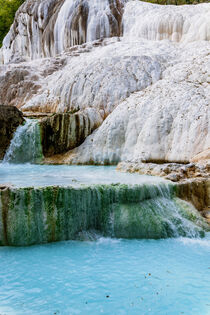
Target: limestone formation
147	90
202	157
10	119
176	23
46	28
167	121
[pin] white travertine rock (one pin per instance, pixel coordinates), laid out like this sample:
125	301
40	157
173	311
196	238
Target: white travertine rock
168	121
147	90
102	78
44	28
184	23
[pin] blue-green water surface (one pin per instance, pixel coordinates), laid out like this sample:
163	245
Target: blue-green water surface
108	276
26	175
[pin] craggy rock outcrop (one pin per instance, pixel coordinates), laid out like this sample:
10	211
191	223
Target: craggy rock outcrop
171	171
63	132
10	119
176	23
46	28
19	82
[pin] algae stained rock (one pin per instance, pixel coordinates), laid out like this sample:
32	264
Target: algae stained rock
40	215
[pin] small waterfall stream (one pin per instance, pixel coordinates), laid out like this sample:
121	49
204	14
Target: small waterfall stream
25	145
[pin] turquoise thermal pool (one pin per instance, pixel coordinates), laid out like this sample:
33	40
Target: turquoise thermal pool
109	276
27	175
112	263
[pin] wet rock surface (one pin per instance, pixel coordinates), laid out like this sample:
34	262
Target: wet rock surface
10	119
193	180
196	191
62	132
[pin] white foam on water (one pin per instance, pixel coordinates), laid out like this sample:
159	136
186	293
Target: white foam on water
195	241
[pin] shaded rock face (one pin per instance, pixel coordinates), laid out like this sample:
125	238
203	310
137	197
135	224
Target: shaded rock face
10	119
63	132
197	192
46	28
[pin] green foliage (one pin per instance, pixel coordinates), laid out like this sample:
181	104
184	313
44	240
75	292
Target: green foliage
8	9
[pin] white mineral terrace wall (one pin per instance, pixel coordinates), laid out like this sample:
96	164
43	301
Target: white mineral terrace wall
148	91
46	28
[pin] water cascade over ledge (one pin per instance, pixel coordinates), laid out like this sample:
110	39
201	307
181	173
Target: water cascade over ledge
40	215
25	145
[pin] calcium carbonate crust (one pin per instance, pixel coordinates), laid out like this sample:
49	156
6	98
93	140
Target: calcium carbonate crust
147	91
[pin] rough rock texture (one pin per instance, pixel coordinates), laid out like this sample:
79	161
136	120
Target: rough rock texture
171	171
202	157
46	28
63	132
152	83
168	121
177	23
88	78
197	192
19	82
10	119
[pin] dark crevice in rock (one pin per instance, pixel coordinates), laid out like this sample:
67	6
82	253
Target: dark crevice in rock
63	132
5	200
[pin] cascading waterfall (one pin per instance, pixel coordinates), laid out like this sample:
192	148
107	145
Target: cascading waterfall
41	215
25	145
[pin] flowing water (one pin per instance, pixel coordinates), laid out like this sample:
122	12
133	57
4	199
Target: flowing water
112	277
26	144
89	197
